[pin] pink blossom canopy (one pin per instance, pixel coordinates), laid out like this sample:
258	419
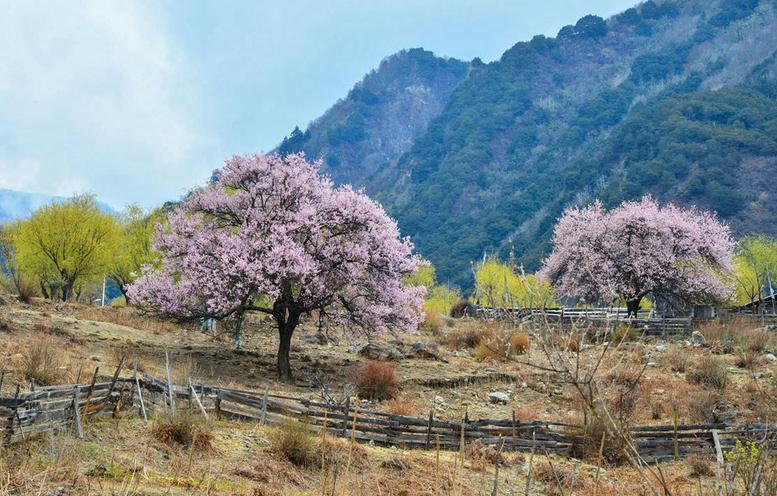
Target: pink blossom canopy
639	248
271	234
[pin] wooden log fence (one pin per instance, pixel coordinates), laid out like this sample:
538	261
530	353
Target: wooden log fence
66	407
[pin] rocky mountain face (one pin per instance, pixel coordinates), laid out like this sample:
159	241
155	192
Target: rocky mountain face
363	135
676	99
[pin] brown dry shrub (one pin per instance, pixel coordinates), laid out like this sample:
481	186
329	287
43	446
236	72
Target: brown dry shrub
553	476
701	405
431	323
590	444
563	341
678	360
401	405
527	413
623	333
482	455
377	380
748	359
709	371
699	466
461	309
42	361
295	442
757	340
182	429
519	343
26	290
657	410
494	350
471	334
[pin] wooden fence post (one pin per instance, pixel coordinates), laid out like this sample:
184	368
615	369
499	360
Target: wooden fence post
217	407
116	375
346	410
515	432
77	414
429	428
140	397
169	384
197	399
720	471
89	392
263	418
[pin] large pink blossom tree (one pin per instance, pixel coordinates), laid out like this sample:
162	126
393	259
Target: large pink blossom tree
271	235
640	248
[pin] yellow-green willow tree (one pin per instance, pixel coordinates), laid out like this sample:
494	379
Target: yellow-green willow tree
66	244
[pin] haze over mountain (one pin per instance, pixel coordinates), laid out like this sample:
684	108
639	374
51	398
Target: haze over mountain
19	204
677	99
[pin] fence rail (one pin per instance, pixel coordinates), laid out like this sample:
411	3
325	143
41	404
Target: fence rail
599	320
63	407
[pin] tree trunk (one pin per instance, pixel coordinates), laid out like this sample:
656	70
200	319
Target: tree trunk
287	322
44	291
632	305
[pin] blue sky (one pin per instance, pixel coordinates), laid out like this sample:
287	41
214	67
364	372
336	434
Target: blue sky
138	101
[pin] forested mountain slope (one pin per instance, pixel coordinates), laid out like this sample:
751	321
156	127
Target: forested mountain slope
673	98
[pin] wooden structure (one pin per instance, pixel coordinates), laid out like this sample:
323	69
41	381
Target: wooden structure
66	407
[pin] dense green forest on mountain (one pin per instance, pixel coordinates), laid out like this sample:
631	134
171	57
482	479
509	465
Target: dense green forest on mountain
676	99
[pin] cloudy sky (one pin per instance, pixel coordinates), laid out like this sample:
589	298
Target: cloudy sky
138	101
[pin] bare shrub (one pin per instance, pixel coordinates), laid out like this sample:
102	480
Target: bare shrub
657	410
377	380
678	360
470	335
401	405
493	348
482	455
26	289
757	340
719	335
710	371
748	359
182	429
556	475
41	361
612	453
699	466
431	323
295	442
701	406
461	309
623	333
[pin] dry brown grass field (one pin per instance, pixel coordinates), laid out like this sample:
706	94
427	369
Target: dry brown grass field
641	382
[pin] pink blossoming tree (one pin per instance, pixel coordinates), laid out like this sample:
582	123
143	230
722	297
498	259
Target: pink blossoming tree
639	248
271	235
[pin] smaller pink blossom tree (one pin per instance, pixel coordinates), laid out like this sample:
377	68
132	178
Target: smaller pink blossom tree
271	235
640	248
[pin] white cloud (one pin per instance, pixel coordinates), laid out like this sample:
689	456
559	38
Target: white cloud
95	96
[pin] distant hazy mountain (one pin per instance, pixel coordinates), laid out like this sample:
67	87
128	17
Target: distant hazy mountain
19	204
675	98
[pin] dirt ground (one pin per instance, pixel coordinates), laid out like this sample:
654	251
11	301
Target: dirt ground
121	457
